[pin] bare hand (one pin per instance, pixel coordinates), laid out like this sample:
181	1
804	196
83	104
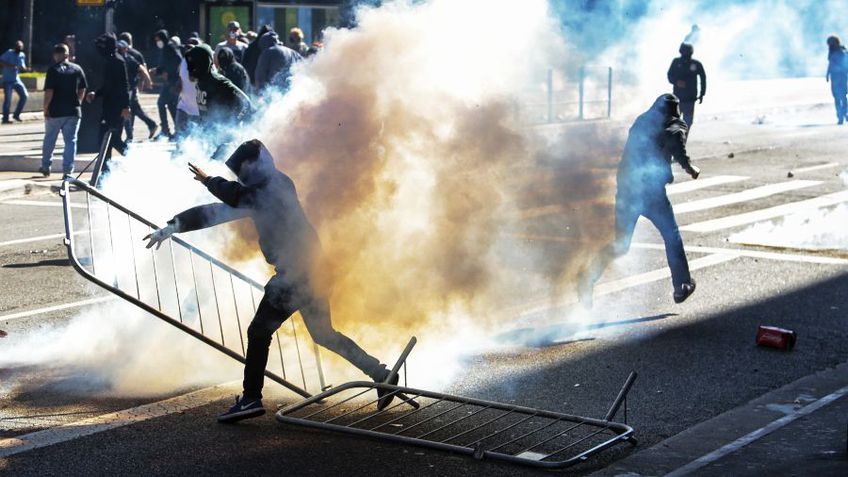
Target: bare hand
90	96
46	114
199	174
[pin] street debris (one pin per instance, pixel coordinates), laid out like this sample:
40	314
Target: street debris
790	174
731	155
3	334
774	337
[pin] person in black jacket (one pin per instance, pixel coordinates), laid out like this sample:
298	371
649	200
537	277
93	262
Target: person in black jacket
136	68
684	74
251	54
837	74
289	243
656	138
218	99
168	67
115	91
232	70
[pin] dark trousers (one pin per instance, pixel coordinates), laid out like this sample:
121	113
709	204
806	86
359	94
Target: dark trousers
839	89
112	121
655	207
137	111
687	110
279	303
166	103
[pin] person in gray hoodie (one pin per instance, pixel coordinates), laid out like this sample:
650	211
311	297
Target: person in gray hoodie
275	62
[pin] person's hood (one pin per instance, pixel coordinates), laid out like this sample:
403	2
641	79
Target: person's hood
263	30
666	105
199	61
268	40
162	35
252	163
225	57
106	44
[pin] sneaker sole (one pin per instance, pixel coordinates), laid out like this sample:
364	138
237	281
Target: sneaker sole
239	416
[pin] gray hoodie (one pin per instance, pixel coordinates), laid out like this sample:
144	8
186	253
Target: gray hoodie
275	61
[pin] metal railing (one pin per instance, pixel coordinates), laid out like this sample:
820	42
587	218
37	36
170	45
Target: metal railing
181	285
586	94
475	427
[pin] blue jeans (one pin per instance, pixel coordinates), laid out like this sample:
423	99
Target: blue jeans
68	125
19	88
839	88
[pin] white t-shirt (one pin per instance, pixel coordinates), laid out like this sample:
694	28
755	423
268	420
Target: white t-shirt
188	93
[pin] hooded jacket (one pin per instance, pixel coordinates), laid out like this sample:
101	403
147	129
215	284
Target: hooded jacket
114	88
287	239
217	97
232	70
684	74
275	61
168	59
251	54
657	137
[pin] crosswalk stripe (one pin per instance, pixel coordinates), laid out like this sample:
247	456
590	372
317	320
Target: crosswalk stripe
689	186
743	196
766	214
816	168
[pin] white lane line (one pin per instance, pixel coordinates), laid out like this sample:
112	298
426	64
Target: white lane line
50	309
759	433
785	257
32	239
607	288
766	214
41	204
85	427
689	186
743	196
816	168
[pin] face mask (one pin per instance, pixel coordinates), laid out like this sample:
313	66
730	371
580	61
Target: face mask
233	35
160	44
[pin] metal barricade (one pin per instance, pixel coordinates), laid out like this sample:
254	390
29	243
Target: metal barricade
181	285
475	427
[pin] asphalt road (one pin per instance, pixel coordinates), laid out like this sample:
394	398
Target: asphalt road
695	360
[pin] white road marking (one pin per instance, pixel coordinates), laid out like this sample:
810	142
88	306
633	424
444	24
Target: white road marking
786	257
41	204
816	168
32	239
689	186
765	214
85	427
759	433
743	196
50	309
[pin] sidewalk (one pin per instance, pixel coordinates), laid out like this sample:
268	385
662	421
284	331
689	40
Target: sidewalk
799	429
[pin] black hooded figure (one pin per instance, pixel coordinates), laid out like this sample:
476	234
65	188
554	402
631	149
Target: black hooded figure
168	68
289	243
251	54
232	70
218	99
657	138
115	91
684	73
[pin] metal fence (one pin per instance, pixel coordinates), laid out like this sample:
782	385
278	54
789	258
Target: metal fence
567	96
180	284
474	427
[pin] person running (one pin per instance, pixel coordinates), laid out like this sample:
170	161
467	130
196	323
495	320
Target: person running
115	91
837	74
684	73
13	61
136	66
64	90
232	70
188	114
290	244
657	137
168	68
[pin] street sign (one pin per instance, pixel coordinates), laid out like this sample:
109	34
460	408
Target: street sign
91	3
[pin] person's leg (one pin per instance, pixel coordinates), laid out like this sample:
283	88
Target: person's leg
129	123
687	109
139	112
627	211
162	104
837	100
22	98
267	320
316	316
51	132
7	100
70	128
661	214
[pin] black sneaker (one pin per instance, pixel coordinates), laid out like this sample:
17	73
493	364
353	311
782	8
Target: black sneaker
685	290
18	119
244	408
7	121
386	397
153	131
44	172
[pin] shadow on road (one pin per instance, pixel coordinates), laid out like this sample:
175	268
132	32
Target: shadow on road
56	262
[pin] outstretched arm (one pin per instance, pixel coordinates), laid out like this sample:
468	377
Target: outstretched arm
677	148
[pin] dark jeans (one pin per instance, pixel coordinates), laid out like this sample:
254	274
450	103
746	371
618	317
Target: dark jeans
19	88
281	300
167	102
654	206
687	110
112	121
137	111
839	88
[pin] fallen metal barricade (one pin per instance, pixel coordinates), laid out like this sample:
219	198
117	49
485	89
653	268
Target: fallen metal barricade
475	427
181	285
